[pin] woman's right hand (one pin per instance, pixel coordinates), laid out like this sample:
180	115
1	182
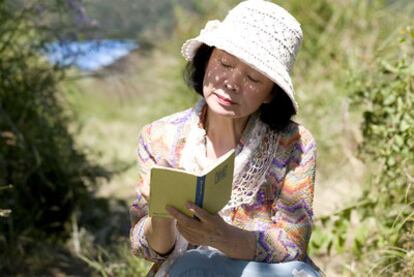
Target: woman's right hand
160	232
144	188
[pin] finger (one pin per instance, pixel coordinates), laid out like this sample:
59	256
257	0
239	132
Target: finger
143	190
191	235
164	162
199	212
182	228
187	235
194	237
186	228
180	217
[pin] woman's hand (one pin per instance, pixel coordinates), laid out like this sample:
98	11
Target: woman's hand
144	187
206	229
212	230
159	231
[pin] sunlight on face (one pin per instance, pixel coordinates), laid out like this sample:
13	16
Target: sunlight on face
232	88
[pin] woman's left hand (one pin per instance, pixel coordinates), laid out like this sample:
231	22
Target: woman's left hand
206	229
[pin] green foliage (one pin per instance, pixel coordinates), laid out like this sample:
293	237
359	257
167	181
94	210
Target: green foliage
378	228
387	94
117	262
47	177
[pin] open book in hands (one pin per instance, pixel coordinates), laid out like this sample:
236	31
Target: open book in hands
210	190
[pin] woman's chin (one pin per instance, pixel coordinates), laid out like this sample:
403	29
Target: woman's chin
221	110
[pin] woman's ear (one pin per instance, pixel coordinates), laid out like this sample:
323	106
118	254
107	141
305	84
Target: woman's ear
267	101
269	98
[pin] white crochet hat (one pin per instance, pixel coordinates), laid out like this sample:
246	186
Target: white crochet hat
261	34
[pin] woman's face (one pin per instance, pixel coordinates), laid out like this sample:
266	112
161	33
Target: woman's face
232	88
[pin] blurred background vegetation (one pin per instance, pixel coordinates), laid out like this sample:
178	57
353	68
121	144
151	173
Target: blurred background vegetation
68	137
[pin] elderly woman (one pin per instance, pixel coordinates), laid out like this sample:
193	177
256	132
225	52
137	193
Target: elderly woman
240	67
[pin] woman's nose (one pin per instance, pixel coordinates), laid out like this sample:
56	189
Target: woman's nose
232	87
232	82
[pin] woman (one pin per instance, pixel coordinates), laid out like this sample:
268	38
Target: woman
241	68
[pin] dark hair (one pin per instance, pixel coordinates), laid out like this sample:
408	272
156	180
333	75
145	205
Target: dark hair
277	114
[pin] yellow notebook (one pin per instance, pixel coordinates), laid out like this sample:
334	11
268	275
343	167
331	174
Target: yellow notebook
210	190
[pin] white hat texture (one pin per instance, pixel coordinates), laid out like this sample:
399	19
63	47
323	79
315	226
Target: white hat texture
261	34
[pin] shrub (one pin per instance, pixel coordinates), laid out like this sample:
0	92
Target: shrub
381	233
387	93
45	176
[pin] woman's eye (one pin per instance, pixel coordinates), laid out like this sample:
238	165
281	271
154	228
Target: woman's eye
252	79
224	64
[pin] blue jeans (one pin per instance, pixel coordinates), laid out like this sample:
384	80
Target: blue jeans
206	263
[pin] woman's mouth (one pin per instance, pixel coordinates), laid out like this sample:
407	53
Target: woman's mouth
224	100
